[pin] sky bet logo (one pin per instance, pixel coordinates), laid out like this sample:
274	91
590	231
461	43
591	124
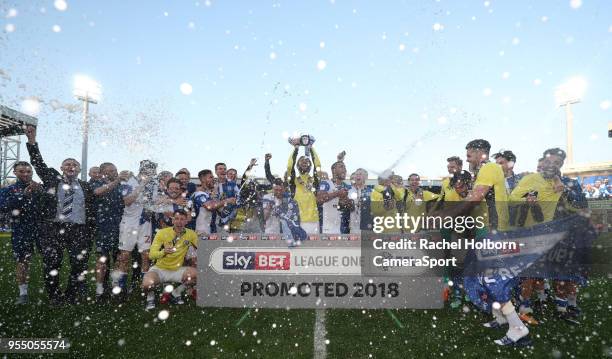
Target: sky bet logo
256	260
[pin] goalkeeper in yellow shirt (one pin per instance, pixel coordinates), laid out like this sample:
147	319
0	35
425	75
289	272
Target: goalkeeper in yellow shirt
168	250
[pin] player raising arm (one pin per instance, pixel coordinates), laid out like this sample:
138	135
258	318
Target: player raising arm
169	249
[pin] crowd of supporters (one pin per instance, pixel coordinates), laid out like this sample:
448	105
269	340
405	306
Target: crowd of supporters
600	189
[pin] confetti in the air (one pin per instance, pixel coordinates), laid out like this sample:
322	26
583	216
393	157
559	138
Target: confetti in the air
31	106
9	27
321	65
12	12
186	88
56	28
575	4
60	5
438	27
163	315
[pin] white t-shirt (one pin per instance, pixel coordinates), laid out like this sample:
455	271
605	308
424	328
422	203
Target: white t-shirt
132	213
204	217
357	195
272	223
332	217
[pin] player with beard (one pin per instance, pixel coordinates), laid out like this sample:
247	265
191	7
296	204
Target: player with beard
227	191
169	250
304	187
507	160
135	230
490	188
415	199
206	203
454	165
334	199
554	196
173	202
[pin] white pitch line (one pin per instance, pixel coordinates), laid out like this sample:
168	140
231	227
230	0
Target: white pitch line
320	348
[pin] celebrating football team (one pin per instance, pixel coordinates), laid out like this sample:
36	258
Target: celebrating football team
149	222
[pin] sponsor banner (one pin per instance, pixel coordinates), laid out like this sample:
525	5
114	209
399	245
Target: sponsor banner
283	261
316	274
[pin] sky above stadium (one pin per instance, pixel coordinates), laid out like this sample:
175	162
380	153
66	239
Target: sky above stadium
402	83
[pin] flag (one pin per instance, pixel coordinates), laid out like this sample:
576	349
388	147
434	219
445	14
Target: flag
558	250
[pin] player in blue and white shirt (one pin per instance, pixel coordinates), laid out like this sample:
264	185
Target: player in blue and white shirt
282	214
173	199
269	202
206	203
187	186
136	228
336	204
227	191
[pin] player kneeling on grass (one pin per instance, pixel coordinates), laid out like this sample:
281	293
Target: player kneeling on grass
169	250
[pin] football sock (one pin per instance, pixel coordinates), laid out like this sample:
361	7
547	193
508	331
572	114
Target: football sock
561	304
516	329
178	290
572	299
